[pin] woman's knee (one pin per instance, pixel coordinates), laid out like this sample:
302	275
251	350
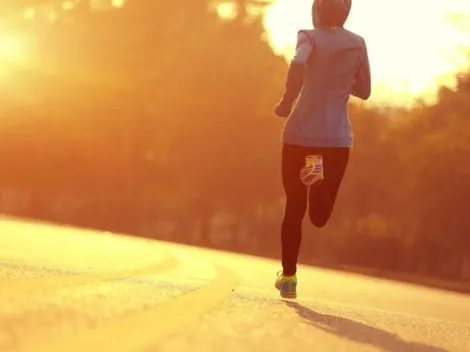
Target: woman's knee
318	219
295	212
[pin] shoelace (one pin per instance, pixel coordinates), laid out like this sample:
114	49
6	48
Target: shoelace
281	274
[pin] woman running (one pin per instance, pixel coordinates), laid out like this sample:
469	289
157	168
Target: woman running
330	64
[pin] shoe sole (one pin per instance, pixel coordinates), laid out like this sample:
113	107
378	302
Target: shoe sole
286	295
308	177
310	180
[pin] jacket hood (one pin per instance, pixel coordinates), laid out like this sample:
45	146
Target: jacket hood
330	12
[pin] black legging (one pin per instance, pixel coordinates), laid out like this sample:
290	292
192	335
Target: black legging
321	197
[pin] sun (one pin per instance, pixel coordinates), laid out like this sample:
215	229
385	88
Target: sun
414	46
12	52
11	48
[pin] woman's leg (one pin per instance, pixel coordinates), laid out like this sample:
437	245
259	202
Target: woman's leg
293	159
323	193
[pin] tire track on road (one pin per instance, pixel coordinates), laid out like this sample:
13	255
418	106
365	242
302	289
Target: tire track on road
138	332
23	287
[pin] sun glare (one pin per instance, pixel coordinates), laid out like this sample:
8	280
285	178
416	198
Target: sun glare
227	11
414	46
11	48
118	3
12	52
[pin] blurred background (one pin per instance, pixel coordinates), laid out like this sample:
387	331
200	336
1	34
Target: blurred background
154	118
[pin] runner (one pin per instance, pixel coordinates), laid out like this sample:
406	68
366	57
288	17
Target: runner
330	64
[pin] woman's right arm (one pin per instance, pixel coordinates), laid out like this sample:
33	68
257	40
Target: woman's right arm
362	82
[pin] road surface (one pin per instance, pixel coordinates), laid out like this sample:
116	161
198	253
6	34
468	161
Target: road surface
64	289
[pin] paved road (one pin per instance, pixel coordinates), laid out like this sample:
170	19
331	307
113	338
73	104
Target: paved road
64	289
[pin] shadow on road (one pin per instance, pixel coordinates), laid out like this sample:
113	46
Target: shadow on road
359	332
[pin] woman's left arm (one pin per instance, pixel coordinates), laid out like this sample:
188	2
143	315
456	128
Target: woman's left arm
295	74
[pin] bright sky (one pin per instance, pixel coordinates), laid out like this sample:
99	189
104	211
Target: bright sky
414	45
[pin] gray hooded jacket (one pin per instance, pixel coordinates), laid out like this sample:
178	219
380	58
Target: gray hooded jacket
331	63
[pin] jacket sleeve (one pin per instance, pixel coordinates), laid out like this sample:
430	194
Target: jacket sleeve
295	74
362	84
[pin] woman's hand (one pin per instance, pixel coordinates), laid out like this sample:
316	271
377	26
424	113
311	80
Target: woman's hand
282	110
